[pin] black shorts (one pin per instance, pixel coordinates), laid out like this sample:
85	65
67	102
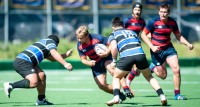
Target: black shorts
126	63
23	67
99	67
160	57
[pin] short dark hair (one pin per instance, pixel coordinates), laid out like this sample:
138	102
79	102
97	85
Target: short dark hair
117	22
54	38
165	5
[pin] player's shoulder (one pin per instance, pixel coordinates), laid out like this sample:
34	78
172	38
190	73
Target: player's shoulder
171	19
141	18
157	18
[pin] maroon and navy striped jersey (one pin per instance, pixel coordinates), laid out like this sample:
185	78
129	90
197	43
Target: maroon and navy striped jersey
161	31
88	49
134	24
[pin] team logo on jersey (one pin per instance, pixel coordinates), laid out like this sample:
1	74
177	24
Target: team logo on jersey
84	50
159	26
133	24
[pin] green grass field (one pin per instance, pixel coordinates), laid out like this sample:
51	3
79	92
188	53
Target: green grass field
78	89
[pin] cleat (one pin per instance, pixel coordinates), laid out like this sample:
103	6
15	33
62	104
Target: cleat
163	100
43	102
179	97
122	97
129	94
7	89
114	101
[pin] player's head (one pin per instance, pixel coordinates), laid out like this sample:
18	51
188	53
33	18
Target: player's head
164	11
165	6
82	34
137	9
117	22
54	38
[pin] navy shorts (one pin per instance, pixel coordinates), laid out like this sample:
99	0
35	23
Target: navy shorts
99	67
160	57
23	67
126	63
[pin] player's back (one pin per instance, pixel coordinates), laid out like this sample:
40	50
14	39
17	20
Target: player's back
128	42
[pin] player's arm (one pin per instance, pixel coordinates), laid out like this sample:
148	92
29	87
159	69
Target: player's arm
182	40
113	50
87	62
60	59
65	55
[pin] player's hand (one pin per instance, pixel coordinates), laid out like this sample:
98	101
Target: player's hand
113	64
68	66
155	48
190	46
92	63
69	53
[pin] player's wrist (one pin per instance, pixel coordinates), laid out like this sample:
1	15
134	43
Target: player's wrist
114	60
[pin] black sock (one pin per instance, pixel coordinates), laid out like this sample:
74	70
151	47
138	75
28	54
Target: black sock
116	92
21	84
41	97
159	91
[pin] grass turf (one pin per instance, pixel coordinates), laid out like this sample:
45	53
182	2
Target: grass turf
78	89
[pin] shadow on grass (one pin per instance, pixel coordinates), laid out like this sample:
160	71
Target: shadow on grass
25	104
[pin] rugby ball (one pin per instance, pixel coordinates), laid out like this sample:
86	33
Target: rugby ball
100	48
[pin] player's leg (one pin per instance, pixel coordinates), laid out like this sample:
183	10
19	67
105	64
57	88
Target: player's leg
123	83
41	87
158	65
134	73
102	84
123	67
156	86
143	65
118	75
26	70
174	65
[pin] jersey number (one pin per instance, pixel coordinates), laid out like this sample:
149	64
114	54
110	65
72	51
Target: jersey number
129	34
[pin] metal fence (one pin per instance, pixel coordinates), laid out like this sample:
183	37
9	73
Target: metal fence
18	23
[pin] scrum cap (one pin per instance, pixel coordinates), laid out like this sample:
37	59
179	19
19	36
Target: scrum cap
138	5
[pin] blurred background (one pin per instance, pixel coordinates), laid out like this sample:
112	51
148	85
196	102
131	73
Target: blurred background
25	20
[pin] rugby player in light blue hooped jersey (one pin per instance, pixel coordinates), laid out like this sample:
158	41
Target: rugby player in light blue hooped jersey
26	65
127	44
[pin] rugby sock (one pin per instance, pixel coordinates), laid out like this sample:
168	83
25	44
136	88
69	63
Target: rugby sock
126	88
21	84
116	92
131	76
41	97
176	92
159	91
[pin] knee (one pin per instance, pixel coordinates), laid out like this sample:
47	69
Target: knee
163	77
42	76
102	86
176	71
33	83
